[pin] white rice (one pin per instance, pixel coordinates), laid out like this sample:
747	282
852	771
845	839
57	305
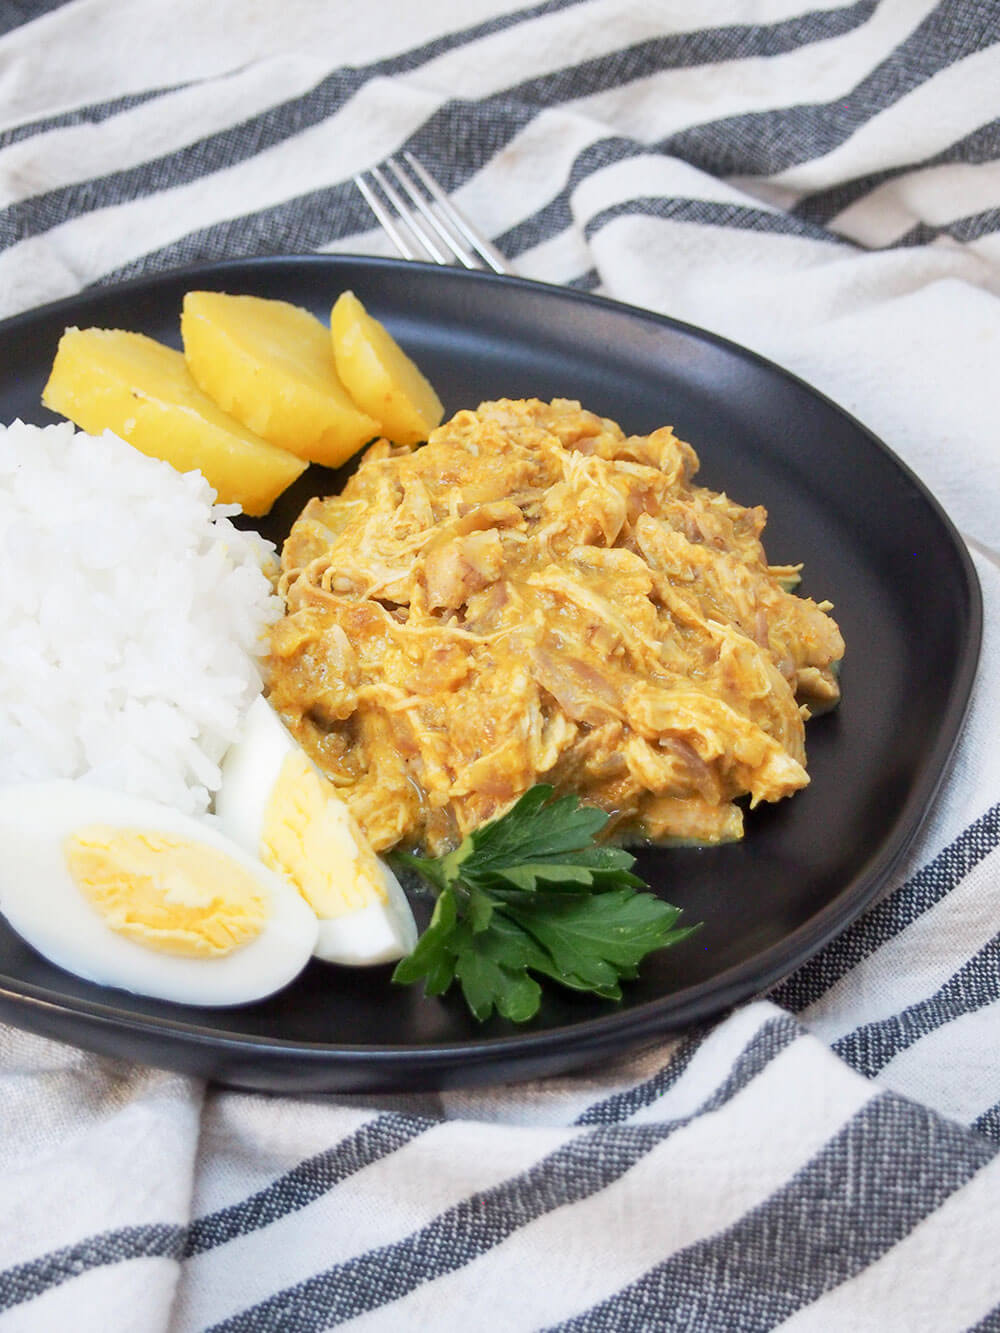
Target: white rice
132	614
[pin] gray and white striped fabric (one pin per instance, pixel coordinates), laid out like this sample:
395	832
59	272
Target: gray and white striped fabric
821	184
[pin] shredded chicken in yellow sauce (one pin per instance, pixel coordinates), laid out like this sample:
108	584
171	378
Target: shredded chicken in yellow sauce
535	596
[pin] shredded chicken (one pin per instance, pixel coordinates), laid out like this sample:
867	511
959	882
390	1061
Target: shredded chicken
535	596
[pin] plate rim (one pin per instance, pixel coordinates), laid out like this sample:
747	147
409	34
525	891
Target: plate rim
591	1036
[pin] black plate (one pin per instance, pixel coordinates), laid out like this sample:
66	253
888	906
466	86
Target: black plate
873	540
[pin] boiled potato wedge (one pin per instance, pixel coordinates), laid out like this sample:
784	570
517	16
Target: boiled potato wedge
379	375
108	379
269	364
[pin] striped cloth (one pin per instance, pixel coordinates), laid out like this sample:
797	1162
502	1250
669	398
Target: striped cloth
821	184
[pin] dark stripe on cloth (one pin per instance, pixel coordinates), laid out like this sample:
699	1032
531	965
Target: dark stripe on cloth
891	1165
892	915
624	1104
586	282
988	1123
26	1281
294	1190
977	148
15	13
308	1181
869	1048
456	140
989	1324
766	142
238	143
965	229
710	213
295	226
579	1169
87	115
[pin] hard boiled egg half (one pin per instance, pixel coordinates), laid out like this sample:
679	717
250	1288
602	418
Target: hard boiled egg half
276	804
130	893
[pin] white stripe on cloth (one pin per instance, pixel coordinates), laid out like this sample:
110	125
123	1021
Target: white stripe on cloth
133	1297
242	182
965	1047
654	176
668	1081
900	321
570	1100
916	962
244	1148
717	1051
159	43
988	249
102	1128
931	195
520	179
561	259
778	295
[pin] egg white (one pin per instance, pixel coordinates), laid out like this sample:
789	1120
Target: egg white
43	904
378	932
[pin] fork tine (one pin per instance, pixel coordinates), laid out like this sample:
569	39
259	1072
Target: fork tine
479	243
452	241
420	230
388	222
416	226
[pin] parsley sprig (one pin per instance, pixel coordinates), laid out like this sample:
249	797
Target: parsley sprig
531	894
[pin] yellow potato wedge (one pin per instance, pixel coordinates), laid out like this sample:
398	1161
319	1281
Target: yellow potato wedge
108	379
379	375
269	364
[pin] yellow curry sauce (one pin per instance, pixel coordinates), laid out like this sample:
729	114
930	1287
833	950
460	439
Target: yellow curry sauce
535	596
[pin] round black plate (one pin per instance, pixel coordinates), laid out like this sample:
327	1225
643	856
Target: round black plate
872	539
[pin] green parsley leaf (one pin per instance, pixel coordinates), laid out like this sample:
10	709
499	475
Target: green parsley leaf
486	982
535	828
531	894
601	938
434	947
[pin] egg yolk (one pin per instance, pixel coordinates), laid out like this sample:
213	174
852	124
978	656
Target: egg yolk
170	894
310	836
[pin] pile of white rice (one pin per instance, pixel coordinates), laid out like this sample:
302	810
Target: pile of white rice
131	618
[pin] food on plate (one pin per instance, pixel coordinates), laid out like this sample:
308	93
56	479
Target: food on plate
534	595
129	893
109	379
531	895
275	803
132	619
270	364
489	655
254	397
379	376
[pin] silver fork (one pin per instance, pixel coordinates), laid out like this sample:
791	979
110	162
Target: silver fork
425	224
